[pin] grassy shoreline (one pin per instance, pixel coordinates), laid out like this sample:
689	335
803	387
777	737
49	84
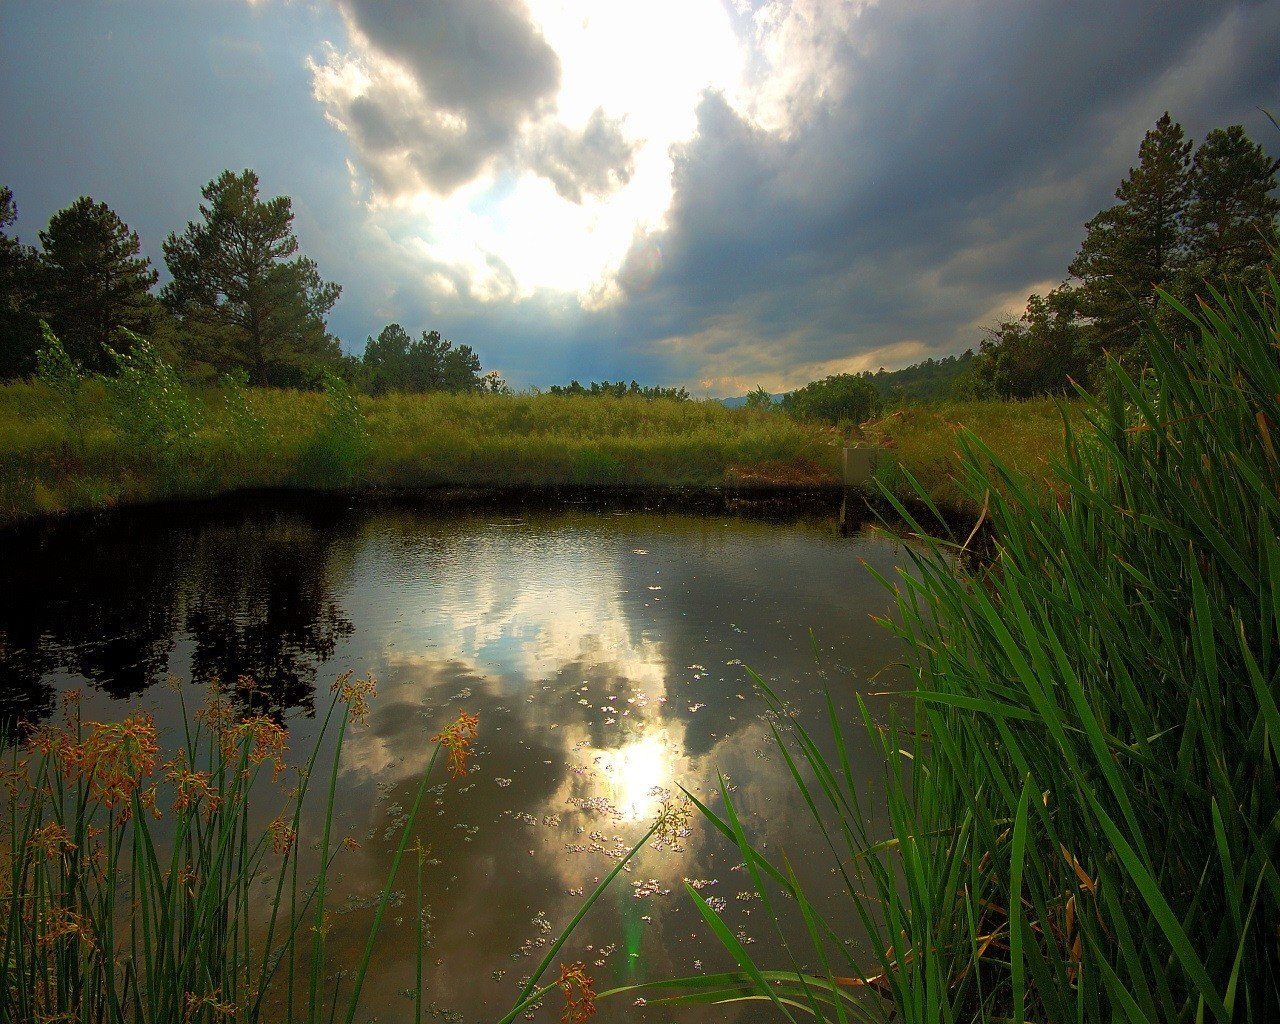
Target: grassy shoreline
59	457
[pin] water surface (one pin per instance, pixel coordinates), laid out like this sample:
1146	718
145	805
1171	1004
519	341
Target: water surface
605	649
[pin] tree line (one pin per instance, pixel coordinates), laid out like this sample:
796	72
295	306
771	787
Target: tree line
241	300
1186	219
618	389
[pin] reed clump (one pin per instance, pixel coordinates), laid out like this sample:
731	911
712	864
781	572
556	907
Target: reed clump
1084	804
137	888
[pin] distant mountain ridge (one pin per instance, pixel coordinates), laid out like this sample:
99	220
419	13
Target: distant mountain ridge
918	382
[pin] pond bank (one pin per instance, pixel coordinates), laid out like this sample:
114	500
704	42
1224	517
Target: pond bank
59	457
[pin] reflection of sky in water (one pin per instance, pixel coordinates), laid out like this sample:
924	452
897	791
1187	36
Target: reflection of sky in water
605	654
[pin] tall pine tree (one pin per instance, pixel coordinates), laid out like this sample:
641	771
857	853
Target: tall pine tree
94	282
1231	218
1137	245
19	317
242	300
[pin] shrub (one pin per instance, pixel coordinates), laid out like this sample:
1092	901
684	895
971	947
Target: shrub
147	403
334	454
843	397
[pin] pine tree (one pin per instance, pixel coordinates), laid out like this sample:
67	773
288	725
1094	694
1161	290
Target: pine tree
95	282
242	300
1137	245
1231	219
394	362
19	318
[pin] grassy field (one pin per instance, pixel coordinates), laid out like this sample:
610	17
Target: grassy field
926	440
100	448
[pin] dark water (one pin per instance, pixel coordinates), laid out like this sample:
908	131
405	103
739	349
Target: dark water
605	650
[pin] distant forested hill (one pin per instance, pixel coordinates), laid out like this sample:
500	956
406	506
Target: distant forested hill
921	381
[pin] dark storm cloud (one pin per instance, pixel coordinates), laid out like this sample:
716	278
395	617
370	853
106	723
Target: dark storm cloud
594	161
929	164
950	162
477	71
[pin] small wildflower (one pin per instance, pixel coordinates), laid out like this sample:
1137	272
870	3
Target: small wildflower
580	1010
267	741
53	744
456	738
283	836
350	843
354	694
212	1003
220	716
59	922
673	824
115	757
193	789
51	840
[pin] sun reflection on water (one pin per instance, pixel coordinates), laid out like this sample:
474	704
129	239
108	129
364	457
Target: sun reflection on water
640	774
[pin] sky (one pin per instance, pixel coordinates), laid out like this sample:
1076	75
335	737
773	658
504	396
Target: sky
715	194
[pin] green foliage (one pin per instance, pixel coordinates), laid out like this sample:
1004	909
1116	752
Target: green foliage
148	404
1137	246
395	362
246	428
925	381
94	283
1231	218
619	389
1180	224
844	397
759	399
413	441
1083	806
241	299
1045	352
218	914
57	370
335	453
925	440
20	337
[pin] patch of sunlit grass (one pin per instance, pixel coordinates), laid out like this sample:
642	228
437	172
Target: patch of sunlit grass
1025	436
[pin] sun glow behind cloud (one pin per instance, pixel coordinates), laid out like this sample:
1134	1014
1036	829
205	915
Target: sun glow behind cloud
635	71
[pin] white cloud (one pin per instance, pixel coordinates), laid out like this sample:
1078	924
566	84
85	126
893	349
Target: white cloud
802	52
545	195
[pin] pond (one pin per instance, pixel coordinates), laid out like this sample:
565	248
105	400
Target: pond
606	649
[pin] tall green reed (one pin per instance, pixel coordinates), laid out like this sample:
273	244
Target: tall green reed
1084	806
132	889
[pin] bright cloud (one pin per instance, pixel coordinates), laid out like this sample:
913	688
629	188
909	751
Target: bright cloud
550	193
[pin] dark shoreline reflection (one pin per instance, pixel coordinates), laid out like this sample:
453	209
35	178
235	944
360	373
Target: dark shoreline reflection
106	601
605	647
